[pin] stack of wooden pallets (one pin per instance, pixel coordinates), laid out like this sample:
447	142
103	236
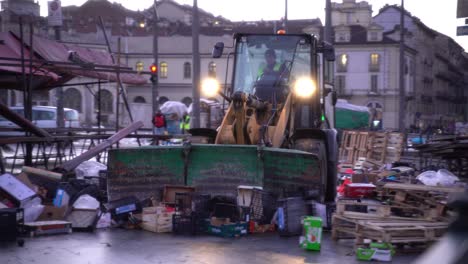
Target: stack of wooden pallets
377	148
411	214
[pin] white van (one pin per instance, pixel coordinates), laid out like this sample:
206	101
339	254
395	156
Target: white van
43	117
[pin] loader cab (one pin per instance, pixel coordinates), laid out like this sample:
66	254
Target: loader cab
295	70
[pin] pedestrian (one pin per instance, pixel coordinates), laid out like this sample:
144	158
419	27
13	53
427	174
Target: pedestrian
185	123
159	122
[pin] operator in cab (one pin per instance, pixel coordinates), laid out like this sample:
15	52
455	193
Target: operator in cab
270	66
269	75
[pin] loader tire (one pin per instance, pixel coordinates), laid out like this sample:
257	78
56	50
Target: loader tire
317	147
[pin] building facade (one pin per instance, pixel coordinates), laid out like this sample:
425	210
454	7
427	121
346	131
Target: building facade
367	59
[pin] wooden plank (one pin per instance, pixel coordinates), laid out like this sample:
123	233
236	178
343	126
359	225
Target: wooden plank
416	187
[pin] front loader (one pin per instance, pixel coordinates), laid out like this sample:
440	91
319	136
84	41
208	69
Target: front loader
278	130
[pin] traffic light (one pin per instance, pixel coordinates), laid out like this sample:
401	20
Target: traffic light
153	69
154	72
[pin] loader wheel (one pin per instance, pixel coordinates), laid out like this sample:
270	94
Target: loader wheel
317	147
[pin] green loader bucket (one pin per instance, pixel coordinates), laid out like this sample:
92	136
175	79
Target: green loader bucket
213	169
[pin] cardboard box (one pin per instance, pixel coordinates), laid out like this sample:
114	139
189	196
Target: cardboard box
215	221
16	189
365	178
51	212
376	251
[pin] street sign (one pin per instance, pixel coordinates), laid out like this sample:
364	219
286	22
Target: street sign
462	31
55	13
462	9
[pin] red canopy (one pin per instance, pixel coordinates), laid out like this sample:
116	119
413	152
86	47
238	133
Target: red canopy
59	52
10	48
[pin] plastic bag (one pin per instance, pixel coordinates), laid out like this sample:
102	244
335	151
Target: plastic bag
440	178
86	202
89	168
32	209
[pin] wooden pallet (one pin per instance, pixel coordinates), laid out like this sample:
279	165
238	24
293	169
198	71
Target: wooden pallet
381	211
380	147
390	231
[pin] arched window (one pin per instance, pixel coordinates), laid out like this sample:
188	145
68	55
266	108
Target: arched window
212	69
72	99
106	102
343	61
187	70
140	100
163	69
187	101
162	100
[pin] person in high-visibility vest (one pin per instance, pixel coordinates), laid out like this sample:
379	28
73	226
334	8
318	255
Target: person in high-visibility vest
270	66
185	123
269	74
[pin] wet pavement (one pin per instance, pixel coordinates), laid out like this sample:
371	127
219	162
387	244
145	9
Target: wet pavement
118	246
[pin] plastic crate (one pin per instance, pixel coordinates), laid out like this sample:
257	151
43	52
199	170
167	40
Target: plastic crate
185	224
229	230
262	207
294	208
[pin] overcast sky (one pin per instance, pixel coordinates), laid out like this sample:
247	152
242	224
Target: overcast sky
437	14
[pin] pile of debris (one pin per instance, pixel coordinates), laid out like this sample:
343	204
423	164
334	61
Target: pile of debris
46	202
382	200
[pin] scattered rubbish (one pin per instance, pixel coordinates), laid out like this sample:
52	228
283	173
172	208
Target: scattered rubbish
89	168
376	251
104	221
440	178
86	202
311	238
47	228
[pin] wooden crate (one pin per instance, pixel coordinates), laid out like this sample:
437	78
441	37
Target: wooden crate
347	148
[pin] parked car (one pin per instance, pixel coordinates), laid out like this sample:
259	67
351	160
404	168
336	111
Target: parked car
43	117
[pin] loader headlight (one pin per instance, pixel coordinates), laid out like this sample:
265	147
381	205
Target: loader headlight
305	87
210	87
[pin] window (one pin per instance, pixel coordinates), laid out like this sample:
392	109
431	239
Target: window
373	36
187	70
343	63
374	83
187	101
212	69
163	69
107	100
374	65
340	84
139	100
139	66
72	99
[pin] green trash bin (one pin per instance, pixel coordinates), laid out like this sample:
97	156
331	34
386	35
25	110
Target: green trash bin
311	233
